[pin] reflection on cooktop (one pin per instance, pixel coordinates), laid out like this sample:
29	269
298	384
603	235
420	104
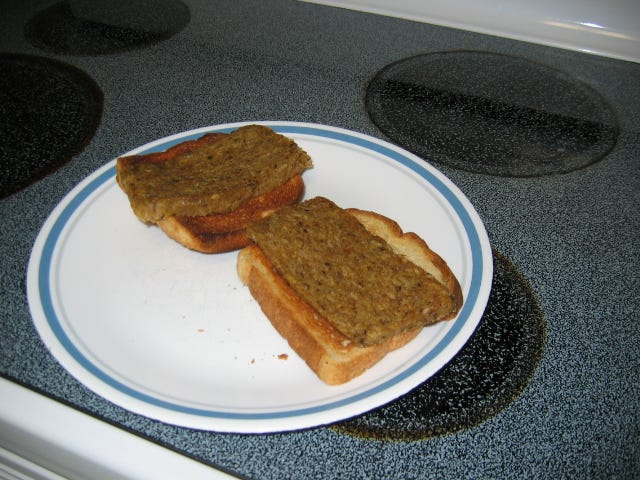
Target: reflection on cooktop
491	370
49	111
95	27
492	114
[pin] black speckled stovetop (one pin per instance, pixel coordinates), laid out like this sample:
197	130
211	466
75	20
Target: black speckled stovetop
563	401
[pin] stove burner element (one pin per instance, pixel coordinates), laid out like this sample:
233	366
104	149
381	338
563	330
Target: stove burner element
492	114
94	27
49	111
486	375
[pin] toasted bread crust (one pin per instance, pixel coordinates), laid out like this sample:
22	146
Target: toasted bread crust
204	243
225	232
331	355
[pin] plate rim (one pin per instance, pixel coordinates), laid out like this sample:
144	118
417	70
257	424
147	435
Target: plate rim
42	256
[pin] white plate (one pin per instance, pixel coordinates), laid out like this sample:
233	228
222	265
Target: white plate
174	335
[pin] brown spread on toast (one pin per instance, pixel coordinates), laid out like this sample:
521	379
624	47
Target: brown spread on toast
214	174
350	276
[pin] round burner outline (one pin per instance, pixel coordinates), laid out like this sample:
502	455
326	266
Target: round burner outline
491	113
464	393
83	27
49	110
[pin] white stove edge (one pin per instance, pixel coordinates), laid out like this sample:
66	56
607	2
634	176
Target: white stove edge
609	29
44	439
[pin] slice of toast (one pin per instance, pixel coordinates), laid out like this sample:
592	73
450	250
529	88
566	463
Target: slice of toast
334	356
203	193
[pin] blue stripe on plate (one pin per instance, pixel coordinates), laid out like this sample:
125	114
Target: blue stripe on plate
44	274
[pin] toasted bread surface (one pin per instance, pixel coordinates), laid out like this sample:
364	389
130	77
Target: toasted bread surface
349	275
216	173
334	356
226	231
412	247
